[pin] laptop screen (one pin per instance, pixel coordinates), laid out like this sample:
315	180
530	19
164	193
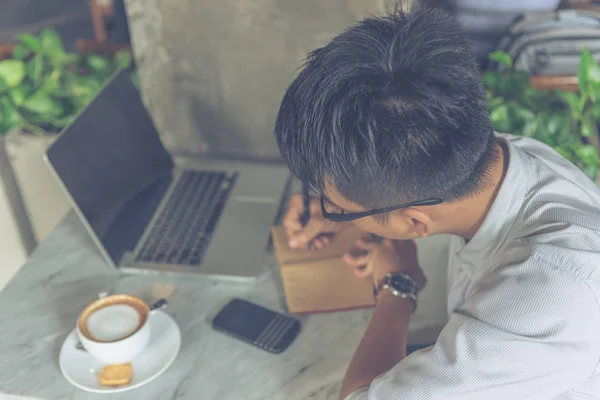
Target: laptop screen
113	164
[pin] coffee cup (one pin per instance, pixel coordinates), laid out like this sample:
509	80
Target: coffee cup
115	329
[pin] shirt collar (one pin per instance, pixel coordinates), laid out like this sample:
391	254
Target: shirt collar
492	234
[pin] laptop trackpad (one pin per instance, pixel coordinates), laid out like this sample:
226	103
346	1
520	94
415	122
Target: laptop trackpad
239	243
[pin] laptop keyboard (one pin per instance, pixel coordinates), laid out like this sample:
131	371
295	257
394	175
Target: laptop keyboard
183	231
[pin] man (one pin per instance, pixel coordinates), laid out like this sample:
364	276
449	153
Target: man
388	125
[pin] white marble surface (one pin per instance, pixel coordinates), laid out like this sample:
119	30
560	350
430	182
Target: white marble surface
40	305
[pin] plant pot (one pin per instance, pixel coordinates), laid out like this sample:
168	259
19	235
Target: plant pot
44	201
16	234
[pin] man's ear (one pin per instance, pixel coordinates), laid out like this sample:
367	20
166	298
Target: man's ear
418	220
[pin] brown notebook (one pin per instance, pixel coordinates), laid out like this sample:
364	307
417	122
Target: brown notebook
319	281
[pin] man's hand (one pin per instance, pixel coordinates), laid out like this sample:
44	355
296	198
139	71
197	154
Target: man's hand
384	342
318	230
377	259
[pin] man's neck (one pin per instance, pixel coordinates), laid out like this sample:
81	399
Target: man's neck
464	218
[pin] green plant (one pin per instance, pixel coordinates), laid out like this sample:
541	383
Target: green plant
43	87
566	121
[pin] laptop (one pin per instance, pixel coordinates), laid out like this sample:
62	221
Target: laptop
151	214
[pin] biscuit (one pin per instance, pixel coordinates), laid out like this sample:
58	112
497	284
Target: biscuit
116	375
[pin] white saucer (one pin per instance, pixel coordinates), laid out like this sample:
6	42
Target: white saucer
81	370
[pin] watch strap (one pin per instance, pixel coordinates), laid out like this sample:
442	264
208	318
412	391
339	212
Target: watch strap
377	287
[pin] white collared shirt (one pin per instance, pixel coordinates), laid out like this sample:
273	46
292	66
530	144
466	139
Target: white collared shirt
523	295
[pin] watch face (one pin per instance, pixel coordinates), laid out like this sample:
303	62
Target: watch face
402	284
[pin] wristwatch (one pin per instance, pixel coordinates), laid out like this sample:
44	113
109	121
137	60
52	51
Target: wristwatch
400	285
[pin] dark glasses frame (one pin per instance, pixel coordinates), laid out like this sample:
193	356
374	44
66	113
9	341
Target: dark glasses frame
347	217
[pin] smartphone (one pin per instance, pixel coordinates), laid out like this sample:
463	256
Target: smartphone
266	329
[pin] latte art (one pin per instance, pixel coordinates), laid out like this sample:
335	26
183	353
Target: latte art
113	322
113	318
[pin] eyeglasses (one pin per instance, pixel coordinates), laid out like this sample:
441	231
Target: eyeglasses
347	217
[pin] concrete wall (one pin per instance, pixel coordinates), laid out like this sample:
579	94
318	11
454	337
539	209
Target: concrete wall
213	72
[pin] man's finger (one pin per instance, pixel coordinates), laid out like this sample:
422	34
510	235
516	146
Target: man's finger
356	260
316	245
324	240
365	244
291	221
363	272
319	242
308	233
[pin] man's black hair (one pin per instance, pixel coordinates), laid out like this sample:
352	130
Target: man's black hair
391	110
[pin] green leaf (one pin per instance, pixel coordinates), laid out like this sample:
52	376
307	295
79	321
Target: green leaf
93	83
596	112
81	101
40	103
12	72
591	171
98	64
62	122
563	151
520	81
57	109
588	154
77	90
588	127
582	70
51	44
51	82
3	85
30	42
20	52
594	92
581	105
540	132
564	131
537	100
123	59
491	79
34	68
30	69
502	58
71	59
56	122
531	127
18	95
500	118
493	102
522	114
38	71
556	123
571	99
10	117
506	88
589	71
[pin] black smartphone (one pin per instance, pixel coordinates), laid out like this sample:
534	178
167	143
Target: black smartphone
266	329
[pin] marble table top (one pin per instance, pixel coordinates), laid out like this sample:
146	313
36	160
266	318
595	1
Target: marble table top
41	303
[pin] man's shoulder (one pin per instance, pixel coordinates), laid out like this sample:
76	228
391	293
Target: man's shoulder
546	164
564	243
561	203
559	219
559	231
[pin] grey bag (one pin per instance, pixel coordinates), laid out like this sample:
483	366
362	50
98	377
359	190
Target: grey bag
551	43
